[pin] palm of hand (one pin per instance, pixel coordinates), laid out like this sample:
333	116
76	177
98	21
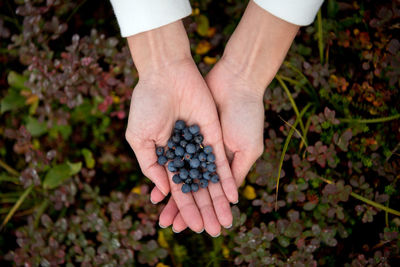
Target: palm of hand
168	95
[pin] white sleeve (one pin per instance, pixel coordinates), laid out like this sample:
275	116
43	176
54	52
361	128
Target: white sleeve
299	12
135	16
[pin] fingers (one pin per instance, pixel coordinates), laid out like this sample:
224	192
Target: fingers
147	158
168	214
187	206
221	205
156	195
179	224
203	201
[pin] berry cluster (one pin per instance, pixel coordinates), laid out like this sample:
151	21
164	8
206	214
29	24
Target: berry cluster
192	163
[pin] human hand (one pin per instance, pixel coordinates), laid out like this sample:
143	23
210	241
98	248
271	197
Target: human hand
238	81
168	90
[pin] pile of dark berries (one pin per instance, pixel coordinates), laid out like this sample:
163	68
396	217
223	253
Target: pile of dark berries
192	163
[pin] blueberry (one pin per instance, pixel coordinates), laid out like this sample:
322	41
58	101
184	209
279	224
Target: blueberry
178	162
198	139
180	125
171	167
194	163
183	173
206	175
211	167
208	149
176	138
198	147
177	131
171	144
194	129
187	156
162	160
194	187
176	179
203	165
159	151
170	154
188	181
194	173
202	156
179	151
203	183
214	178
183	143
190	148
185	188
187	136
211	157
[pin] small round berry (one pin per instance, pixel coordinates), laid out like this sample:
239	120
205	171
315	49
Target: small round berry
183	143
162	160
170	154
180	125
203	183
194	129
183	173
194	163
171	167
206	175
176	179
171	144
203	165
178	162
185	188
190	148
187	156
179	151
194	173
211	157
214	178
159	151
188	136
176	138
198	139
208	149
211	167
194	187
202	156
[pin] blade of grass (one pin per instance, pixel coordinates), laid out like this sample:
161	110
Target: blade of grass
285	147
296	110
17	205
308	123
374	120
41	209
8	168
297	131
320	37
367	201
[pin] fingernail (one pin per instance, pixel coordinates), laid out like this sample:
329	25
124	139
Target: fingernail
229	226
162	226
152	202
217	235
234	203
202	230
173	230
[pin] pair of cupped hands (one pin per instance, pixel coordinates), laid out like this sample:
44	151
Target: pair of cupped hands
227	105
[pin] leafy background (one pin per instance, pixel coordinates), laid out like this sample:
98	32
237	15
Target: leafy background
71	191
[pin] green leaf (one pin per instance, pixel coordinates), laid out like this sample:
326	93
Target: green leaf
202	25
309	206
60	173
12	101
89	160
16	80
64	130
35	127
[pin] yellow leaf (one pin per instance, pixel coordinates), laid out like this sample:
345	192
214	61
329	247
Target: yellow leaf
160	264
225	252
202	25
35	144
161	239
203	47
249	192
136	190
196	11
209	60
32	99
116	99
211	32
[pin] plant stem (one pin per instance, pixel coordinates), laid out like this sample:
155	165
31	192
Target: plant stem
8	168
17	205
320	37
375	120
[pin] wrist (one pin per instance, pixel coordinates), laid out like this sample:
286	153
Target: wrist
159	48
258	46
